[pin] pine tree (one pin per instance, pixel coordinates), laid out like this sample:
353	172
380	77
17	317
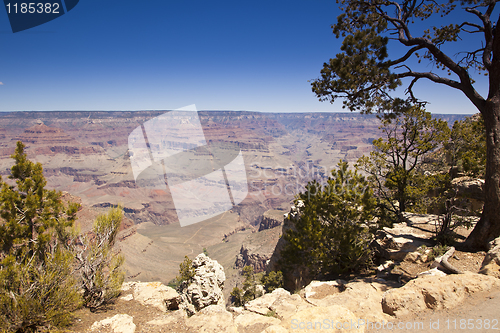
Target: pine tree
37	288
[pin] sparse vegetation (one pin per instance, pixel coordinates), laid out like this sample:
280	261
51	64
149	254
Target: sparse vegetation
272	280
39	289
249	291
99	266
437	251
394	166
186	272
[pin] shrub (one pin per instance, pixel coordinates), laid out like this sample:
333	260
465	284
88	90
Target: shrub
330	235
99	266
273	280
249	291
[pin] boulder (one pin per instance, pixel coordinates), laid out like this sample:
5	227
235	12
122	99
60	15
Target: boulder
120	323
280	302
252	322
469	187
212	319
205	288
435	292
491	262
361	297
154	294
333	318
400	242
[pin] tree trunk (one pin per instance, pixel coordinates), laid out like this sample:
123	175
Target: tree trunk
488	227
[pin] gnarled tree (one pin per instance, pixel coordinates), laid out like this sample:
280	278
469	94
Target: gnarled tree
363	74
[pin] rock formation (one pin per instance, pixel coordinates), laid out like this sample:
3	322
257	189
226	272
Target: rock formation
205	288
435	292
271	219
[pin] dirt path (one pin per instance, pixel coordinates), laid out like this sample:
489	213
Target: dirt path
478	313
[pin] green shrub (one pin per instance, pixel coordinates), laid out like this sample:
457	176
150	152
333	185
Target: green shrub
249	291
37	287
330	236
273	280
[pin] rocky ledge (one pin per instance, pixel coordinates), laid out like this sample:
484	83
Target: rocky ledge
197	308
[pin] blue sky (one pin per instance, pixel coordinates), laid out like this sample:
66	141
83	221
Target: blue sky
160	54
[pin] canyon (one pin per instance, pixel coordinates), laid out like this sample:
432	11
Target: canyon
86	154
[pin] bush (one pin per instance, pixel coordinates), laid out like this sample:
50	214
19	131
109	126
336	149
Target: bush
99	266
273	280
249	291
330	236
37	288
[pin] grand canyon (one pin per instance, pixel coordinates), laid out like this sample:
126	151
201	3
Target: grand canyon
86	155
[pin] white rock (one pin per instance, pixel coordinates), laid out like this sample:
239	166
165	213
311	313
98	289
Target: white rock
120	323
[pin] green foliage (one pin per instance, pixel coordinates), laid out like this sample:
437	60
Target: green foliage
186	272
437	251
205	252
467	146
99	266
237	296
363	73
37	287
249	291
273	280
394	166
272	313
331	235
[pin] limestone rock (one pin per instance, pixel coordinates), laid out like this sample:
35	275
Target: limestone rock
275	329
280	301
399	242
212	319
169	318
491	262
252	322
205	288
469	187
333	318
120	323
435	292
154	294
263	304
314	287
361	297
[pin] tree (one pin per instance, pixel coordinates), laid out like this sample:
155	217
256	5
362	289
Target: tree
330	235
364	75
272	280
394	164
37	287
249	291
467	146
99	266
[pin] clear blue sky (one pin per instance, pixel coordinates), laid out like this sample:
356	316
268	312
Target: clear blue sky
160	54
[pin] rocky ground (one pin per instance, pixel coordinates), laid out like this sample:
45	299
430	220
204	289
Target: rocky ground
397	294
